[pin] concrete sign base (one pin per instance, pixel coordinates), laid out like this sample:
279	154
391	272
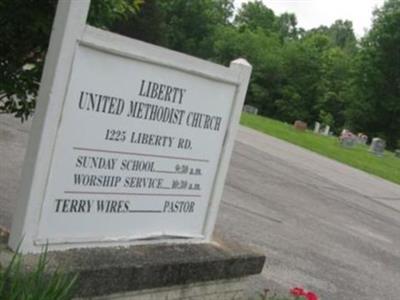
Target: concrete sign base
162	271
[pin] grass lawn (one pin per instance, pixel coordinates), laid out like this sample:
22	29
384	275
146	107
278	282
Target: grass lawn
387	167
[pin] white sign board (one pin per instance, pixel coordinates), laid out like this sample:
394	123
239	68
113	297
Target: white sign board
132	147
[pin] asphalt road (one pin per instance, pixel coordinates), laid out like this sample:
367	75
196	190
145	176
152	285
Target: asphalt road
322	225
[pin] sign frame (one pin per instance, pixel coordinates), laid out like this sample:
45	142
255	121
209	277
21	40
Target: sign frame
69	31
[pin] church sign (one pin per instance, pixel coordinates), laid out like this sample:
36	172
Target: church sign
130	143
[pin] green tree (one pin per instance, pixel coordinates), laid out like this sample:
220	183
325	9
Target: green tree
335	86
342	35
191	24
263	52
253	15
302	62
375	105
25	27
297	74
148	25
286	25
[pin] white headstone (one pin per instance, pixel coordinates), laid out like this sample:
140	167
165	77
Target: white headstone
348	140
378	146
250	109
130	143
326	130
362	139
317	127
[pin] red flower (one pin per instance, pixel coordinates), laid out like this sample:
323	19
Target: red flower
299	292
296	291
311	296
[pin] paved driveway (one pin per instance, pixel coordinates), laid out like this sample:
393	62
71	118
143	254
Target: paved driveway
321	224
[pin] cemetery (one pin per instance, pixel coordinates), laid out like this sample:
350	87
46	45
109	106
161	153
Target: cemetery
383	164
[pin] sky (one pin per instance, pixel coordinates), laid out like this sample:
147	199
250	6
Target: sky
313	13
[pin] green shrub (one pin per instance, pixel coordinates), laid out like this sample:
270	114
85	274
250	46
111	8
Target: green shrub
16	283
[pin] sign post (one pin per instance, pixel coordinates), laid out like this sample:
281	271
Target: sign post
68	26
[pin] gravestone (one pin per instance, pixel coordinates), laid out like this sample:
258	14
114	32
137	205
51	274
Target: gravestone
300	125
377	146
362	139
317	127
348	140
326	130
130	147
397	153
250	109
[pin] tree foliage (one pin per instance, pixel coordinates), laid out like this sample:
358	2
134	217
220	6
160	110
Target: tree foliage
253	15
25	27
191	24
375	106
288	62
324	74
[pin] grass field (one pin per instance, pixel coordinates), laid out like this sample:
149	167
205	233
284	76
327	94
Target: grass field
387	167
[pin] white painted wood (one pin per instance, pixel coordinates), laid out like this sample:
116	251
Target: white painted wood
70	38
138	50
242	69
68	26
82	134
